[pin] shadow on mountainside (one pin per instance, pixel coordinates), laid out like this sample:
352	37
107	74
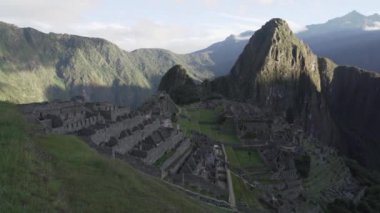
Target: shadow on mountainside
354	102
131	96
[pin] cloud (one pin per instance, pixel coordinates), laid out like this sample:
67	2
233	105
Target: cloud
373	27
213	3
52	11
255	23
296	28
265	1
242	18
131	31
150	34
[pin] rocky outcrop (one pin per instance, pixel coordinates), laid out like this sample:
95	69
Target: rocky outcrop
179	85
339	105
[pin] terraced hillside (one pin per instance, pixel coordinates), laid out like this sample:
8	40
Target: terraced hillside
62	174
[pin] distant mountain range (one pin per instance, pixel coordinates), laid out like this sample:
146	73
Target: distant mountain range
35	66
225	53
353	39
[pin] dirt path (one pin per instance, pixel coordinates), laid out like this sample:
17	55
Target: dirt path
231	193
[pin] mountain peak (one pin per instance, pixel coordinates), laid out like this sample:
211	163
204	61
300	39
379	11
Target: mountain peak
277	29
374	17
273	54
351	21
179	85
354	13
175	76
276	23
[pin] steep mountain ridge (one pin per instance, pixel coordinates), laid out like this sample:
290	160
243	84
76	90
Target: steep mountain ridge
352	39
179	85
339	105
35	67
354	103
273	58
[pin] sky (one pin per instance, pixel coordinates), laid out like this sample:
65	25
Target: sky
181	26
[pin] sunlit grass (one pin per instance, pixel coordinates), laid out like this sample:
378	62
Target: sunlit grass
243	159
206	122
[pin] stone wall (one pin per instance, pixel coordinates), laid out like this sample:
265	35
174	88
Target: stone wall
154	154
183	147
127	143
100	136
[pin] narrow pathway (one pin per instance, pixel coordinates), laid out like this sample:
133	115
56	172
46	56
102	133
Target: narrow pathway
231	193
245	181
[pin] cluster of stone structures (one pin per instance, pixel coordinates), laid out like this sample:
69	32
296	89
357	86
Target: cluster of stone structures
279	143
204	168
145	137
252	125
149	140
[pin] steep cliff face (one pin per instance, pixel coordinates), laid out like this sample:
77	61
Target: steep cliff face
275	69
179	85
340	105
354	100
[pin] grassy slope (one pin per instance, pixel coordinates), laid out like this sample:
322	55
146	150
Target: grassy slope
61	173
205	121
245	195
35	66
243	159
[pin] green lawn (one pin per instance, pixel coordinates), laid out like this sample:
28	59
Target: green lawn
246	195
62	174
243	159
206	122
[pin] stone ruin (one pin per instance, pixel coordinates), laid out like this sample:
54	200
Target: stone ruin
278	143
203	167
150	141
143	133
252	124
287	188
146	138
